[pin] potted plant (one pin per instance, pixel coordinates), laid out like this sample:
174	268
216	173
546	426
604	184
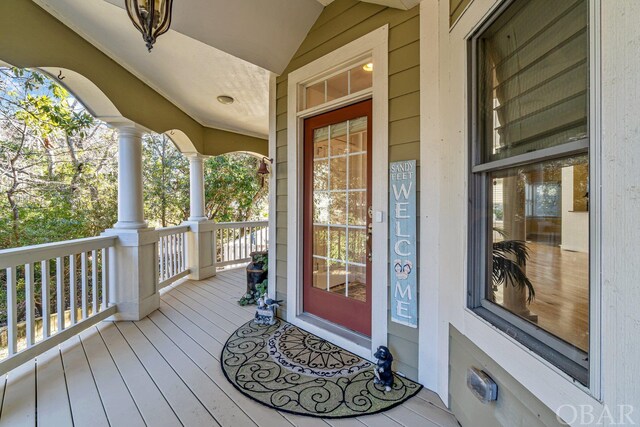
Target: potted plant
509	259
257	270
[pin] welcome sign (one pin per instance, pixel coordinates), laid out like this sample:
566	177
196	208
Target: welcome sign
402	224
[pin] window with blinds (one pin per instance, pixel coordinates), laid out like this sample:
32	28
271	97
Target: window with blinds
533	77
529	268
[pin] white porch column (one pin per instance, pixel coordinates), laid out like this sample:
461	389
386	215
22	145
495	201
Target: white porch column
201	239
196	187
133	266
130	199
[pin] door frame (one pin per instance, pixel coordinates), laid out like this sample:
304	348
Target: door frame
373	45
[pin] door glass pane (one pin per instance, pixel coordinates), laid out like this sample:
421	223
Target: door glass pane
338	166
315	95
358	208
339	139
357	282
358	246
358	171
361	78
338	277
337	243
319	273
338	86
320	240
340	206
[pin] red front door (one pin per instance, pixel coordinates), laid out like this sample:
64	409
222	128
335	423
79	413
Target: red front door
337	200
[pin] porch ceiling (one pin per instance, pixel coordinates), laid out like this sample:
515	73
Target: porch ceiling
214	47
398	4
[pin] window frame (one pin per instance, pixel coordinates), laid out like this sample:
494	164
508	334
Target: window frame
571	360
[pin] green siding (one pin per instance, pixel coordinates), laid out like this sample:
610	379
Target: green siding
515	407
340	23
456	8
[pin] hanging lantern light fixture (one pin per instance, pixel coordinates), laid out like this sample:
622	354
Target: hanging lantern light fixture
151	17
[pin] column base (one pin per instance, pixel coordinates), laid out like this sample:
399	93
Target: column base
131	225
201	242
133	272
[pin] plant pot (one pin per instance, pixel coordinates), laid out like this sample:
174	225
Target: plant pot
255	274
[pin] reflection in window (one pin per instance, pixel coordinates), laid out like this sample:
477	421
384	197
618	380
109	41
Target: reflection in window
530	178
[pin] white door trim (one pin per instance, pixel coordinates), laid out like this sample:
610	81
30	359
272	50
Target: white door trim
374	45
273	256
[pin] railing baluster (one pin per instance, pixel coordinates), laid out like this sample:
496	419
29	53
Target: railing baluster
174	251
46	299
48	265
235	241
94	279
83	281
105	278
161	256
29	304
60	292
73	289
170	254
12	318
184	252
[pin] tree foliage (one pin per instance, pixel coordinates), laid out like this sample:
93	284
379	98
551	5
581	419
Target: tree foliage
58	174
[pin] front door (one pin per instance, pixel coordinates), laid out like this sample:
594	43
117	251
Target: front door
337	216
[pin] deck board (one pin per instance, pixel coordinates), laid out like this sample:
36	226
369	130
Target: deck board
165	371
185	404
52	399
223	409
116	398
19	407
152	404
86	405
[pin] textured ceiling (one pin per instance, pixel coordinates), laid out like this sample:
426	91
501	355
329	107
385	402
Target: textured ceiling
214	47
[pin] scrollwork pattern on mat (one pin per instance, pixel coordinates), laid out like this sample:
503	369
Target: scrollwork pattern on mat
290	369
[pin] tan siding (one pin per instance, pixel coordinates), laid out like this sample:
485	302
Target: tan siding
281	121
405	82
404	131
404	106
456	7
517	407
404	33
330	13
340	23
404	58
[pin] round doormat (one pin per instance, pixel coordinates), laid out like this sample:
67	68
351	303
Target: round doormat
289	369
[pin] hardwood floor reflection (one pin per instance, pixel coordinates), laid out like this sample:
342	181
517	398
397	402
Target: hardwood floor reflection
561	282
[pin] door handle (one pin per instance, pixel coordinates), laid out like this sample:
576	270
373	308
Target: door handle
369	238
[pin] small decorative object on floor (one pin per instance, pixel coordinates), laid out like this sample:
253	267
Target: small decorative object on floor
382	370
266	311
257	269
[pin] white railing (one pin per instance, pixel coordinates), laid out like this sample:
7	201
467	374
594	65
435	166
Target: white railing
76	271
172	255
236	240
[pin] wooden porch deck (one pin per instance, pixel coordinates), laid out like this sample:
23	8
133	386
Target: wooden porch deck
164	371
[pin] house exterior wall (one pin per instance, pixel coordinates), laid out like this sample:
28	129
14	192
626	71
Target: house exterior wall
453	338
340	23
516	406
